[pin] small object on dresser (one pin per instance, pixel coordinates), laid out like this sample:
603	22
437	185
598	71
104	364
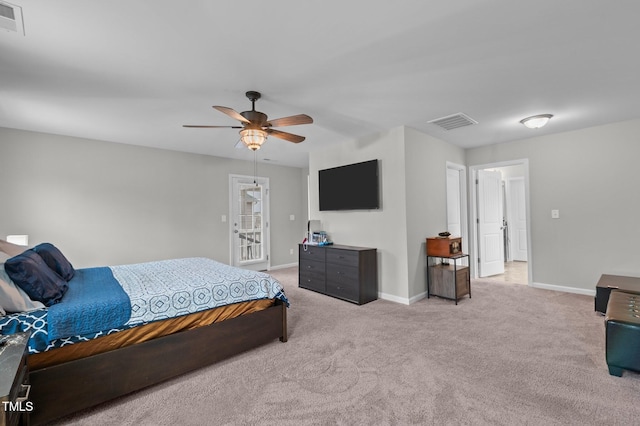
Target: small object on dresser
444	247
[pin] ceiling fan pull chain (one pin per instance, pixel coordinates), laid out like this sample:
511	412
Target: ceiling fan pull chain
255	168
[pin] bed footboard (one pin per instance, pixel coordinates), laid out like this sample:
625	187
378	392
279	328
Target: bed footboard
63	389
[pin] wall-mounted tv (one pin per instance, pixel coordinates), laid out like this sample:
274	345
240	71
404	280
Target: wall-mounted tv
350	187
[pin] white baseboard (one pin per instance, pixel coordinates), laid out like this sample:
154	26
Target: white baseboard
288	265
393	298
414	299
584	291
403	300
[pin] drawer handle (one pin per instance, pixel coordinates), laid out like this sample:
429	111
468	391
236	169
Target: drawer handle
27	390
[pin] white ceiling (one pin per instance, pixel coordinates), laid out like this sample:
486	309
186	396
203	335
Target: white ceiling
135	71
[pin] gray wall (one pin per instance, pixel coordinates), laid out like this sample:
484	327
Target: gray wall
106	203
426	160
383	229
413	194
590	176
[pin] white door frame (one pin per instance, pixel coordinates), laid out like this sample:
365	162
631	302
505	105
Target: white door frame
474	249
464	229
512	208
264	181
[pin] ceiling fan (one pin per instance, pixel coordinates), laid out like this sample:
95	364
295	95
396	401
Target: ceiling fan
256	126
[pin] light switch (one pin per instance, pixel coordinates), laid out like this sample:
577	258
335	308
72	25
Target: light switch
224	218
555	214
292	217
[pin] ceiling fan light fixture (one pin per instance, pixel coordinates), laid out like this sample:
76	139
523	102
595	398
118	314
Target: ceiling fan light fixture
253	138
536	121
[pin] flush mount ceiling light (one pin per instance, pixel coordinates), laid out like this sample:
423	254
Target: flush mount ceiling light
536	121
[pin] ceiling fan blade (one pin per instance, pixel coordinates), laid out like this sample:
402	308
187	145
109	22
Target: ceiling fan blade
284	135
290	121
211	127
232	113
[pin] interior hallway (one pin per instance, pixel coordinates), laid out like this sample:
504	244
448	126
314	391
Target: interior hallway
514	272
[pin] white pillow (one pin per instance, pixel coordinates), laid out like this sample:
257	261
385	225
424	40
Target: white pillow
12	297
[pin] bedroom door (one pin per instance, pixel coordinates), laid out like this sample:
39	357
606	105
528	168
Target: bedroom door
517	218
490	225
249	225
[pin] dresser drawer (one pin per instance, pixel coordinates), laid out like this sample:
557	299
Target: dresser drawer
343	274
343	257
307	265
344	289
311	253
312	280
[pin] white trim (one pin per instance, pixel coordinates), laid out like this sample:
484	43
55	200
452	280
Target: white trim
418	297
552	287
402	300
393	298
285	266
565	289
464	212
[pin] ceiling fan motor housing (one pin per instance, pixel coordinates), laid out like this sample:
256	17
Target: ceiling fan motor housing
256	118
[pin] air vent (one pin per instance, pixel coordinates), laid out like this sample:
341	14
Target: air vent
454	121
11	18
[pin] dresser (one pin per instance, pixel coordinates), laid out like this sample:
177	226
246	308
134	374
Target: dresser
14	380
345	272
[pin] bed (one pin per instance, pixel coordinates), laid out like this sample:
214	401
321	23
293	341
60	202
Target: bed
183	314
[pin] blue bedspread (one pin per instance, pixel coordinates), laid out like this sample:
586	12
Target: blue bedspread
106	300
95	301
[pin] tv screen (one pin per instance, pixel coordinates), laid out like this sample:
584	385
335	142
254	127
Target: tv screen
350	187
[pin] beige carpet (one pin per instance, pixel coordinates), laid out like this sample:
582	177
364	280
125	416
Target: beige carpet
511	355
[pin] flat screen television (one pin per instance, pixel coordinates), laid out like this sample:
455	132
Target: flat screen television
350	187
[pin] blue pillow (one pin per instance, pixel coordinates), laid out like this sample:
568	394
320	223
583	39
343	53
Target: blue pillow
29	272
55	260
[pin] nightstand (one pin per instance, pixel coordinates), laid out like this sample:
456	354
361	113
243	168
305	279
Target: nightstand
448	279
14	380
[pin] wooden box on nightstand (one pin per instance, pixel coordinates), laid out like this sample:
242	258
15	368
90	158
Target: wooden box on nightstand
444	247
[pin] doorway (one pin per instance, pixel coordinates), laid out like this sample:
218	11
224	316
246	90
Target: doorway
249	224
501	238
457	202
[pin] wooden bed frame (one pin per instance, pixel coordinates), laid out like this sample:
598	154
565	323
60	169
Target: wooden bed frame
62	389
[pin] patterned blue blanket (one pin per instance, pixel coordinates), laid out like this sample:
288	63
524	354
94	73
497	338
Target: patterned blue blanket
155	291
170	288
95	301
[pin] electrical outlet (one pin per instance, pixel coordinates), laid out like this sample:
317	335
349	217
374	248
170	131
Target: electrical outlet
290	251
